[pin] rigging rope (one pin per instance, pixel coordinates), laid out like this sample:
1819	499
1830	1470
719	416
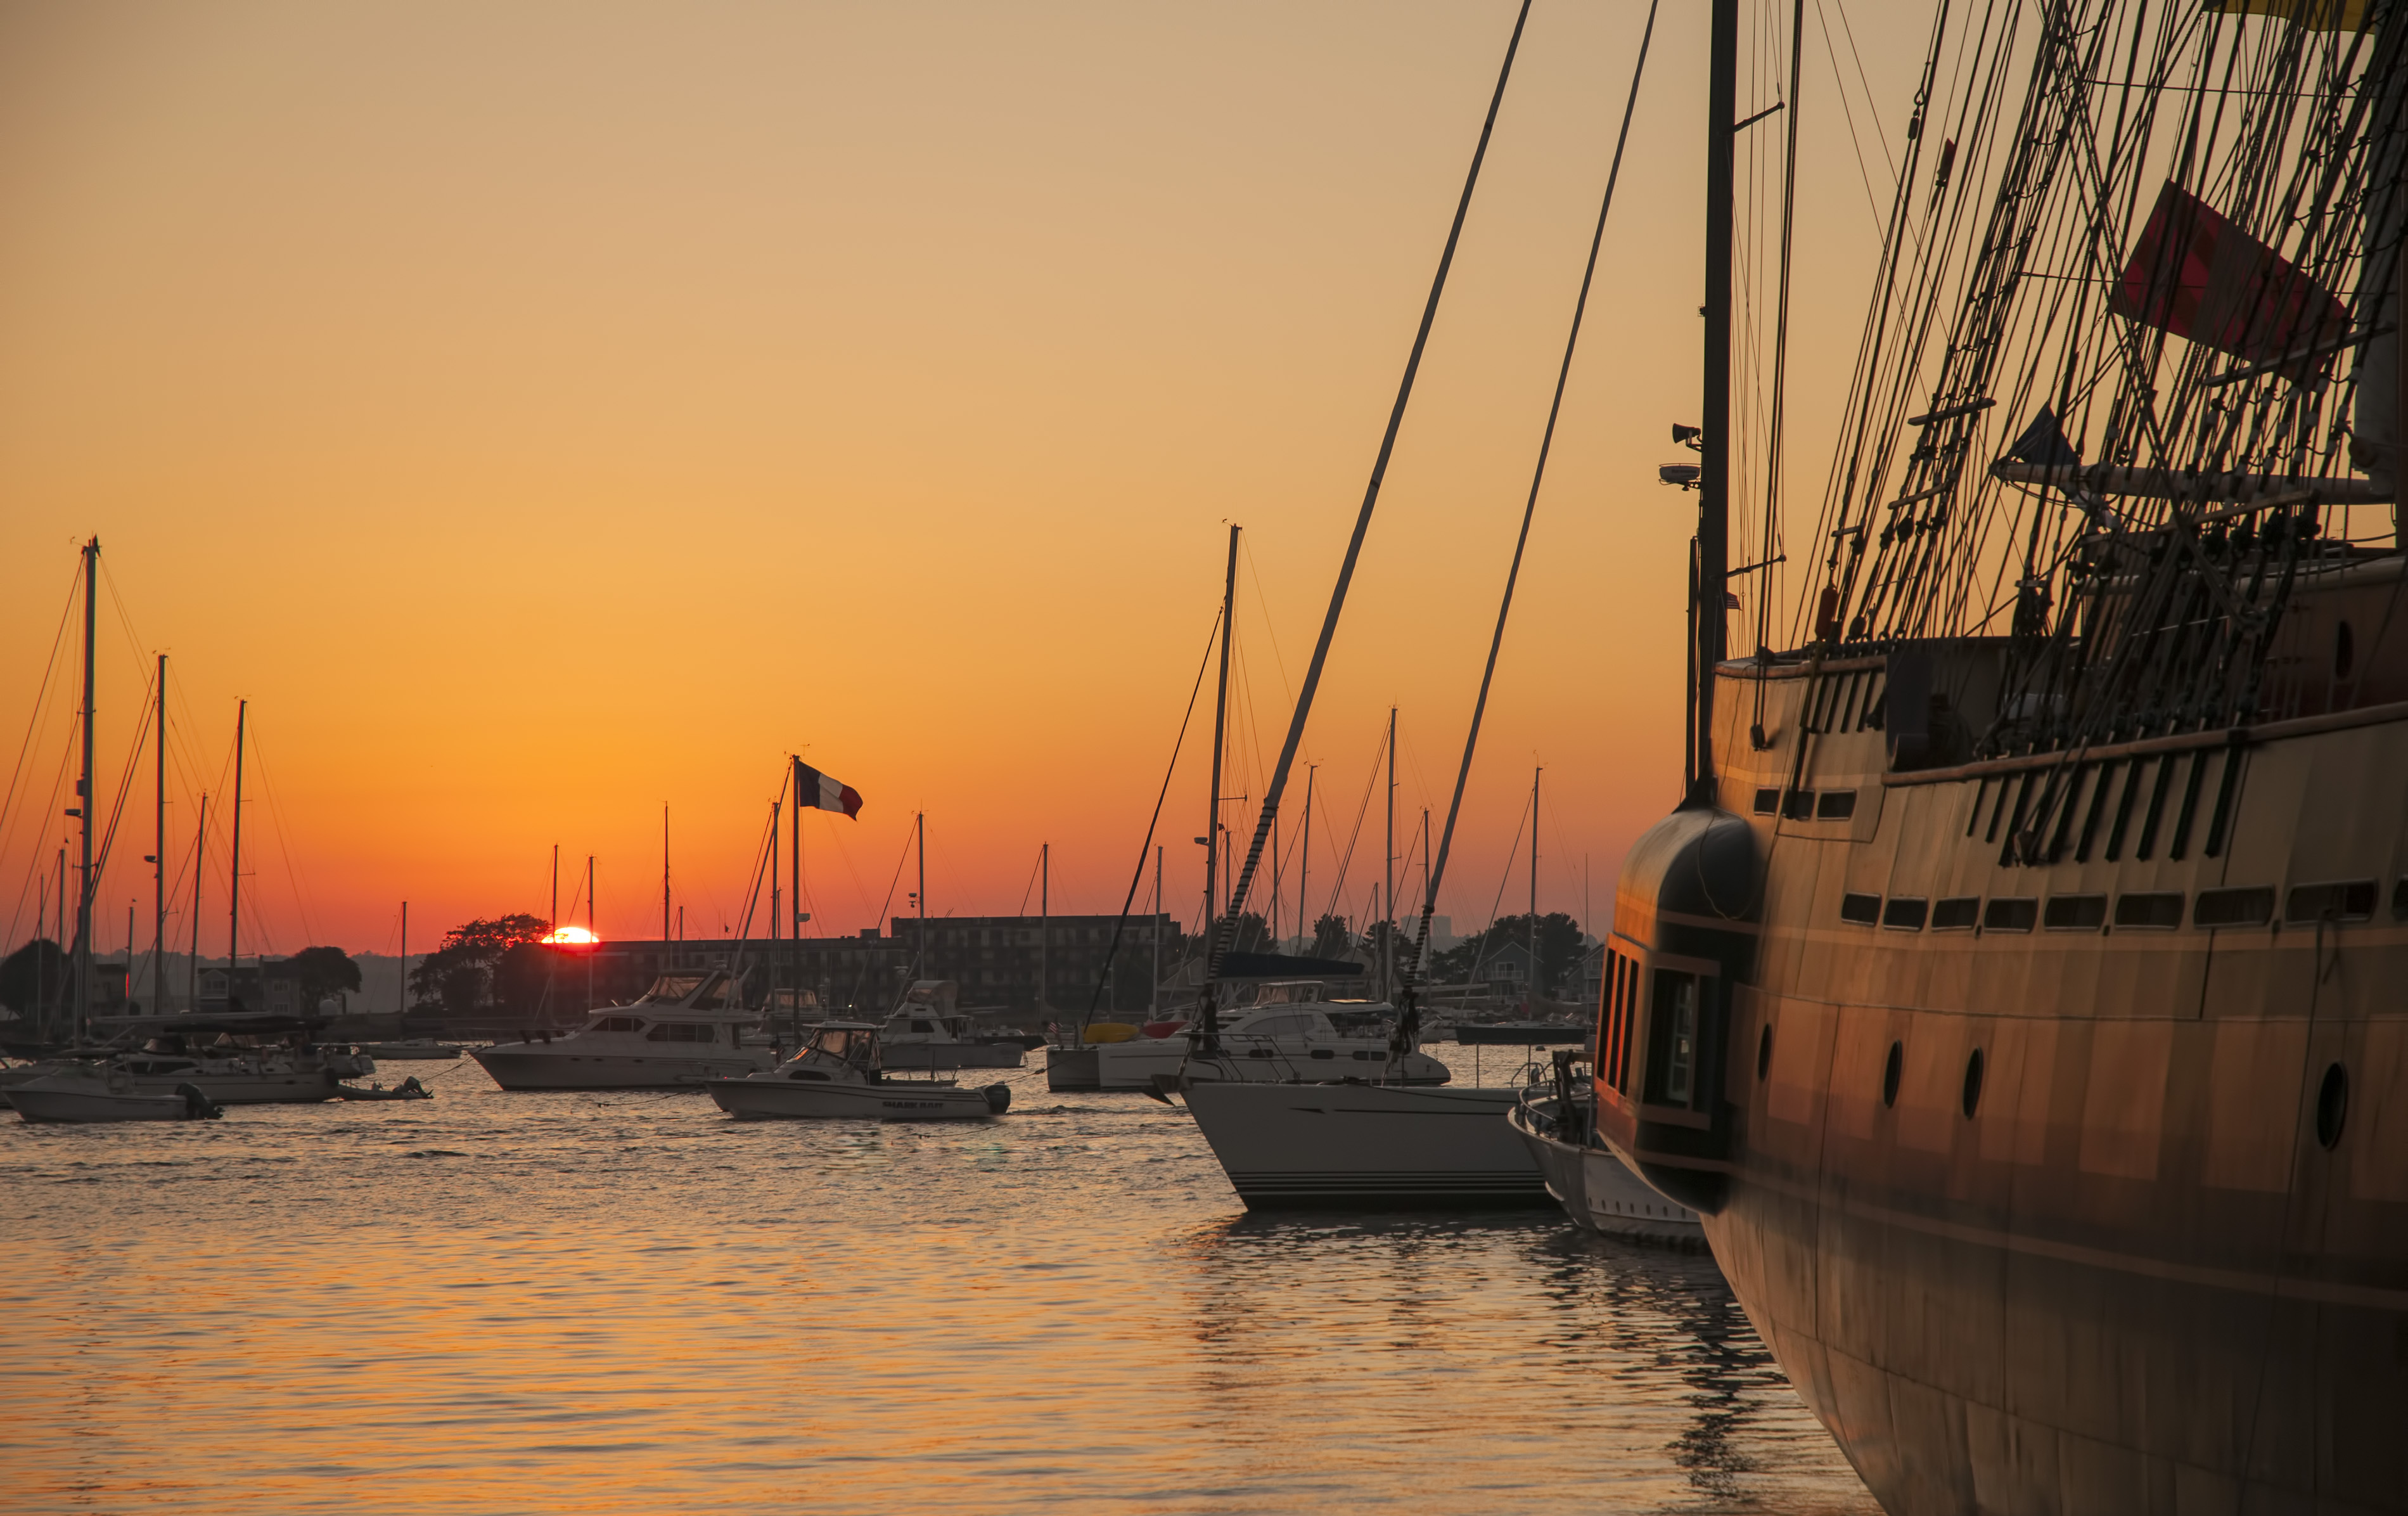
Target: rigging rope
1226	924
1407	1022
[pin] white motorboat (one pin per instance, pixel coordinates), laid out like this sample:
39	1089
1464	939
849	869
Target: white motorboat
1595	1189
1353	1145
926	1032
683	1031
1289	1033
83	1092
838	1074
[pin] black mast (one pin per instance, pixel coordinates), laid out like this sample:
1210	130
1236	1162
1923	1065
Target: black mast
159	858
1714	478
233	870
82	1007
1209	1021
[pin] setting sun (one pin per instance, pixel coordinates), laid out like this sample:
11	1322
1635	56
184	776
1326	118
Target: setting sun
572	936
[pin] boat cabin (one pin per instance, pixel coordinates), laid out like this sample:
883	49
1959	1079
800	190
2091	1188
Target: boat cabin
690	1007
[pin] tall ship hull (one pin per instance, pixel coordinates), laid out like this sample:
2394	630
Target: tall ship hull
2016	996
2072	1203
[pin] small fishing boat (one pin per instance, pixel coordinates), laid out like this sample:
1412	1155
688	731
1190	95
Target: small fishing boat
837	1074
87	1092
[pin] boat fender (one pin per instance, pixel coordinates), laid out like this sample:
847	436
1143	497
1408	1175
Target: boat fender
998	1098
198	1107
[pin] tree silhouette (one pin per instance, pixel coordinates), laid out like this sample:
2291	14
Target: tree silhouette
462	975
323	972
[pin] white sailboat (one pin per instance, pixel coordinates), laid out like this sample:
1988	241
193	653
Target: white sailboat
837	1074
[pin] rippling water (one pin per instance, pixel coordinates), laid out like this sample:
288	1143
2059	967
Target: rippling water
629	1303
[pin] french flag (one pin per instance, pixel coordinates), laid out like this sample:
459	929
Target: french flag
813	788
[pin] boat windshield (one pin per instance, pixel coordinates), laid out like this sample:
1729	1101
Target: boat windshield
845	1044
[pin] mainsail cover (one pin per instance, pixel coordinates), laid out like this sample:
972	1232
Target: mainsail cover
2198	275
815	788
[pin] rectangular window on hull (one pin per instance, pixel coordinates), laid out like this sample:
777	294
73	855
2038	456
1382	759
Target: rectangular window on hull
2075	912
2234	908
1860	909
1905	915
1956	914
1672	1041
2010	914
1835	804
2163	911
2349	900
1767	802
1800	806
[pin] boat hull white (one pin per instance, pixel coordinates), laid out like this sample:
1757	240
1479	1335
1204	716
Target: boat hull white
555	1067
73	1098
898	1100
1142	1064
1291	1146
247	1087
1599	1190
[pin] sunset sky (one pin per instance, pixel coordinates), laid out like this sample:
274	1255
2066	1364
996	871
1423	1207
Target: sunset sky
545	412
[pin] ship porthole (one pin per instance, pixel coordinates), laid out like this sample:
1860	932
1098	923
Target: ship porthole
2332	1105
1972	1083
1890	1072
1763	1052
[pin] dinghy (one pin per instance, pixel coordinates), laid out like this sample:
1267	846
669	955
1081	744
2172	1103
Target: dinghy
837	1074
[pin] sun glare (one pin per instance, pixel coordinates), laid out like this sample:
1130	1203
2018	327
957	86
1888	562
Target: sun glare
572	936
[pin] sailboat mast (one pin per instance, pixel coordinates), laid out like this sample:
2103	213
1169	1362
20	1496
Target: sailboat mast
1153	996
84	798
401	993
234	888
1304	921
1211	1023
665	873
1534	889
159	851
1044	915
1714	478
920	836
200	859
1388	878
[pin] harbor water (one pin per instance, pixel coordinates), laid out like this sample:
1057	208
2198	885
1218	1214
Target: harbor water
629	1302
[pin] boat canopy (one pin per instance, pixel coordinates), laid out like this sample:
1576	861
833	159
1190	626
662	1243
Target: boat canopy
706	990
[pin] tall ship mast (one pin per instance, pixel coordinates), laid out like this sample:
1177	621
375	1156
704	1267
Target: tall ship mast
2016	993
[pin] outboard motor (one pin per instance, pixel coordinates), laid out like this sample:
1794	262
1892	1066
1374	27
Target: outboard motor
198	1107
998	1098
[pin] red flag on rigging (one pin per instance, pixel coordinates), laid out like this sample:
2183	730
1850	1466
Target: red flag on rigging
2198	275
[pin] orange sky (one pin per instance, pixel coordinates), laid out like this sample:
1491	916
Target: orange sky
545	412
